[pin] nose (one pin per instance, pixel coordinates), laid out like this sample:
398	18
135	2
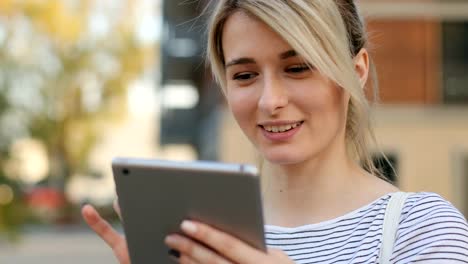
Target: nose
274	96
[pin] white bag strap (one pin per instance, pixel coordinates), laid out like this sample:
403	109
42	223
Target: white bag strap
390	225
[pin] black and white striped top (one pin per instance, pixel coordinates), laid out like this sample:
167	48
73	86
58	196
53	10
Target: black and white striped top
431	230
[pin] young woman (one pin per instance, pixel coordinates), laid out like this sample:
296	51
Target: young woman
293	73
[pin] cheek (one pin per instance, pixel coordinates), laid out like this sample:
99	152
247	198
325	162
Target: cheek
337	107
333	99
316	100
326	105
340	102
242	106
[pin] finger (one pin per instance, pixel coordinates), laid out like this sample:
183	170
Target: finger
279	255
227	245
116	207
101	227
184	259
193	251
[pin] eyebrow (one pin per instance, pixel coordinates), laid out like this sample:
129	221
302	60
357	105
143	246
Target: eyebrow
283	56
288	54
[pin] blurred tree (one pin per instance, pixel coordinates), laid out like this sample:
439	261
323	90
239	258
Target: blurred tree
64	71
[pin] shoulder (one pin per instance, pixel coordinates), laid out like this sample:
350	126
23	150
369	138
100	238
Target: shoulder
431	229
426	207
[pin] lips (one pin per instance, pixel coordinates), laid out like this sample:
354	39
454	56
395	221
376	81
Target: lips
281	128
280	131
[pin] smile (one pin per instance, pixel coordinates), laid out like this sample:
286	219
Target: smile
282	128
281	131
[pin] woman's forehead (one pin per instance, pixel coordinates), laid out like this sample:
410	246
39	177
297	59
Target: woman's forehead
244	33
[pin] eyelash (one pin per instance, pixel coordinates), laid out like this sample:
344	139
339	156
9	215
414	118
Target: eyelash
298	68
294	69
241	76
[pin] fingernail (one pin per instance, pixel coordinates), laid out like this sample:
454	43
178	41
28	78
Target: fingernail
171	240
174	253
189	226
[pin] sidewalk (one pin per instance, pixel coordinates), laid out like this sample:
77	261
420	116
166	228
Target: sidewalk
53	246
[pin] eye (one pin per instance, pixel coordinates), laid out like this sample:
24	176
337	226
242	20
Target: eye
244	76
298	68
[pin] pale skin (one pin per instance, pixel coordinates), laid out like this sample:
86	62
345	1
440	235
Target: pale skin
303	171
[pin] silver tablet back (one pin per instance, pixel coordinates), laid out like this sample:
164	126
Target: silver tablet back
155	196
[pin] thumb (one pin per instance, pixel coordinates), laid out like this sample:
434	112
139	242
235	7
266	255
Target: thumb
116	207
278	254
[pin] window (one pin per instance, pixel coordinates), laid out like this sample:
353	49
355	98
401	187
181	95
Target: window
455	61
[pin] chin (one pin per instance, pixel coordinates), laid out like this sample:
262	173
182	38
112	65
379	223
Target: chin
283	158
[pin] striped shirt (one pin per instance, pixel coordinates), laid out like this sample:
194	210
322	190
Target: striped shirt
431	230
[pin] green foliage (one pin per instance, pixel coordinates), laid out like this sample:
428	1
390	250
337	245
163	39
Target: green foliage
13	214
60	84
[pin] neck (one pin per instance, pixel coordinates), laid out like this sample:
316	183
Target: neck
319	189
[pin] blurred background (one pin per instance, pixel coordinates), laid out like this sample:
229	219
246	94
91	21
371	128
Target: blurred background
82	81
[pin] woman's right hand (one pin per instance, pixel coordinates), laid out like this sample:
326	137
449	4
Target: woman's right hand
103	229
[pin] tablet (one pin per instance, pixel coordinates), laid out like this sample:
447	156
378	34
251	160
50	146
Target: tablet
156	195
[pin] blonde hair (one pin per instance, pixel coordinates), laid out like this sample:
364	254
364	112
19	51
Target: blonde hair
326	33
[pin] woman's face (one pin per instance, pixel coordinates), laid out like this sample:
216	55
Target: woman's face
290	112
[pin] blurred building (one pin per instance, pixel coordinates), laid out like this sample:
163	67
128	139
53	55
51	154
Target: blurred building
420	50
189	103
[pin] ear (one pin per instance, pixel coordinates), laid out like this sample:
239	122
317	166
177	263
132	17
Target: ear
361	65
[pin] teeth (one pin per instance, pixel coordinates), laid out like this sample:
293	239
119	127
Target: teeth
285	128
276	129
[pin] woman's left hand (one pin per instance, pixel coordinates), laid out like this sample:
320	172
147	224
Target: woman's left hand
220	247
